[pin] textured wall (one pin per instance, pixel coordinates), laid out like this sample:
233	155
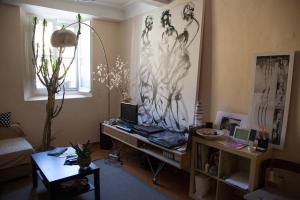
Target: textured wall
234	31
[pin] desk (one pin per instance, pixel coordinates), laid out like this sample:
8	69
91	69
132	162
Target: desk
180	160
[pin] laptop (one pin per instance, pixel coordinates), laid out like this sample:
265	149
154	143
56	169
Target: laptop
240	138
168	139
147	129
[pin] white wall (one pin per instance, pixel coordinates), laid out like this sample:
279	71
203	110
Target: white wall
79	119
234	31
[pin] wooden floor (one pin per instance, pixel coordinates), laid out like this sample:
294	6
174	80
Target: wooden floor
172	182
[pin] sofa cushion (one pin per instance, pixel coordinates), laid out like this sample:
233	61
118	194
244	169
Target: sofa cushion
14	152
5	119
266	194
13	131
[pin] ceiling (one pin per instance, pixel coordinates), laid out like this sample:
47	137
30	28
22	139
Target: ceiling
114	10
123	3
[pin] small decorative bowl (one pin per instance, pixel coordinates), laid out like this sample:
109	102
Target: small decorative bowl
209	133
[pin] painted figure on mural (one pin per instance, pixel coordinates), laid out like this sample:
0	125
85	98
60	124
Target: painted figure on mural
161	83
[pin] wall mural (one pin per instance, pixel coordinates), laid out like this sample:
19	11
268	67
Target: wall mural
168	71
271	98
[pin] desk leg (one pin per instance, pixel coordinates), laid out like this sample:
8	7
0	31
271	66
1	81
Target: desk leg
97	185
34	174
158	170
51	191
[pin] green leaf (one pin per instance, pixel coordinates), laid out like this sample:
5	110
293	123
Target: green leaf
44	22
78	18
35	21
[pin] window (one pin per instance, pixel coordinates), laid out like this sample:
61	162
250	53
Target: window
78	79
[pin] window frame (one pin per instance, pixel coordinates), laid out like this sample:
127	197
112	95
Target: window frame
31	92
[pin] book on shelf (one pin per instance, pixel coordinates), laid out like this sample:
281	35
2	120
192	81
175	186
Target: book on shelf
198	160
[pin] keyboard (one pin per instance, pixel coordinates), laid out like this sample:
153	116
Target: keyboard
124	127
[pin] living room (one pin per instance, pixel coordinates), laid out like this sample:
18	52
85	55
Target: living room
225	42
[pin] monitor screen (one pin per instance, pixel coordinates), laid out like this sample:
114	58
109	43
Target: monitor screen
129	113
242	134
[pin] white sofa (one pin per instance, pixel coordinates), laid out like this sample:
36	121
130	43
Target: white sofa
15	152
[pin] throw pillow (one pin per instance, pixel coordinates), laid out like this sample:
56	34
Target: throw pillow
5	119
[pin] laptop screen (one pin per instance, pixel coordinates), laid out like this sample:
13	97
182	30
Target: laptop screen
242	135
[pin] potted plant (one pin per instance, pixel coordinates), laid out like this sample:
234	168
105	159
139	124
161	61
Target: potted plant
84	154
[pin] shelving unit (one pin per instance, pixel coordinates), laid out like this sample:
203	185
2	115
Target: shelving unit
234	171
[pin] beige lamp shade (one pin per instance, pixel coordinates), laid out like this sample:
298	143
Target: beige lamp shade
63	38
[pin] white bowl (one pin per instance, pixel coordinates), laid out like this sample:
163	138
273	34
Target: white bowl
209	133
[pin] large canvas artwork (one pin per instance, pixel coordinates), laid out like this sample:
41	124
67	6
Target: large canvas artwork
169	65
271	98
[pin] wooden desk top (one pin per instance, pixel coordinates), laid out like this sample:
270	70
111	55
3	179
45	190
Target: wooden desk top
145	140
181	159
221	144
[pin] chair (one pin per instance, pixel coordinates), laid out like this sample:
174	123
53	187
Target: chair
266	191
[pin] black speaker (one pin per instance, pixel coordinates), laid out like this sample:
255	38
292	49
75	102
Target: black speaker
105	141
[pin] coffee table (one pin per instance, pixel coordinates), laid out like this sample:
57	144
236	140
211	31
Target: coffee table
53	172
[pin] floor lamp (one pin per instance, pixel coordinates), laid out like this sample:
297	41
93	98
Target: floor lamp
65	37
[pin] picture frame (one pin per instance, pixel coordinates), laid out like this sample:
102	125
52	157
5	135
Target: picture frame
228	121
271	95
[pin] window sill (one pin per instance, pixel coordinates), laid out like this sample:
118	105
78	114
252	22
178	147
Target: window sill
77	95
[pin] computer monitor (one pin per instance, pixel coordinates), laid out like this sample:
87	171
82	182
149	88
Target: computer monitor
129	113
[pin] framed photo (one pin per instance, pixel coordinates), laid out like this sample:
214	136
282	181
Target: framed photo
271	95
228	121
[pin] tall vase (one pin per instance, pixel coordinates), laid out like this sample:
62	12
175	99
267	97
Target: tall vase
198	115
48	122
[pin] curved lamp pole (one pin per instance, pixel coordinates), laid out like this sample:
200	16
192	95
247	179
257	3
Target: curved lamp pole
62	39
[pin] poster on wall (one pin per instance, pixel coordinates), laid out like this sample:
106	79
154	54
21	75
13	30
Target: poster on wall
271	97
169	65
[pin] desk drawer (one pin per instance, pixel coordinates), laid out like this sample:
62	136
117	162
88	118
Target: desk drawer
119	135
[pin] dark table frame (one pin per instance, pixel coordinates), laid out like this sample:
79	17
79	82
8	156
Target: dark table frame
52	185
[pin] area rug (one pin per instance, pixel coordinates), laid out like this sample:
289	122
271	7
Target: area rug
116	184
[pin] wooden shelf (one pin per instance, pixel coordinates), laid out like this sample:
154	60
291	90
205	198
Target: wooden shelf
160	157
206	174
229	162
66	194
232	185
